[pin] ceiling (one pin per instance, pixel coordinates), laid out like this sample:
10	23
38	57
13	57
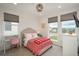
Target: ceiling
49	8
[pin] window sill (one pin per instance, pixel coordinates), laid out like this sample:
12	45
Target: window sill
69	35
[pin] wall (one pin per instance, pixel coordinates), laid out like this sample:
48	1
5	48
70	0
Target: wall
1	31
43	25
77	30
70	45
1	35
78	35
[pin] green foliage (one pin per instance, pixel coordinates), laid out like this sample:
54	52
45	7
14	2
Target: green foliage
68	30
40	35
54	37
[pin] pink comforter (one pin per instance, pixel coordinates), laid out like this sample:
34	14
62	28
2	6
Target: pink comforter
37	44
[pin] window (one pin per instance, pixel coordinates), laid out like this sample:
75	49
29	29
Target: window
68	27
53	30
11	28
8	26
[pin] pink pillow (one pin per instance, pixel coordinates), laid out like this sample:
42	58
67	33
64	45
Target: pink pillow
28	36
14	40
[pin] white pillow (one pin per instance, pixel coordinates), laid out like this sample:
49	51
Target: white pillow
34	35
28	36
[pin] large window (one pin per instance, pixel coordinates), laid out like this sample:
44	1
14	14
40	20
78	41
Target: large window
11	28
68	27
53	30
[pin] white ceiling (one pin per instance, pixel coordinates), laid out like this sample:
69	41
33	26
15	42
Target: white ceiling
49	8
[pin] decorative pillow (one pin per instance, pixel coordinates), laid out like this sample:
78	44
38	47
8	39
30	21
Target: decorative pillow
34	35
28	36
14	40
25	42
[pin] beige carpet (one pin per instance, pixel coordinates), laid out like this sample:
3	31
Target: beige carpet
54	51
19	52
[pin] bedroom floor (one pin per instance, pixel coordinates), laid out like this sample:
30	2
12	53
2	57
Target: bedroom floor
53	51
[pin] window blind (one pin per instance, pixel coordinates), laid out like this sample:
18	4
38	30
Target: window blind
11	18
52	19
68	16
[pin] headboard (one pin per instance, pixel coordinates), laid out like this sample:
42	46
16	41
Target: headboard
27	30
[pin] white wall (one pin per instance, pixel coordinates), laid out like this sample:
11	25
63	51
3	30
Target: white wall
43	21
69	46
77	30
1	31
1	35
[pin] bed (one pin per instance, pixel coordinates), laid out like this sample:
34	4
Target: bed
38	45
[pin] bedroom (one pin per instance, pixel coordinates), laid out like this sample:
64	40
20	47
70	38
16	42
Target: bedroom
29	17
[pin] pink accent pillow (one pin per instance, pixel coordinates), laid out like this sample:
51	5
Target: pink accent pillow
28	36
14	40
